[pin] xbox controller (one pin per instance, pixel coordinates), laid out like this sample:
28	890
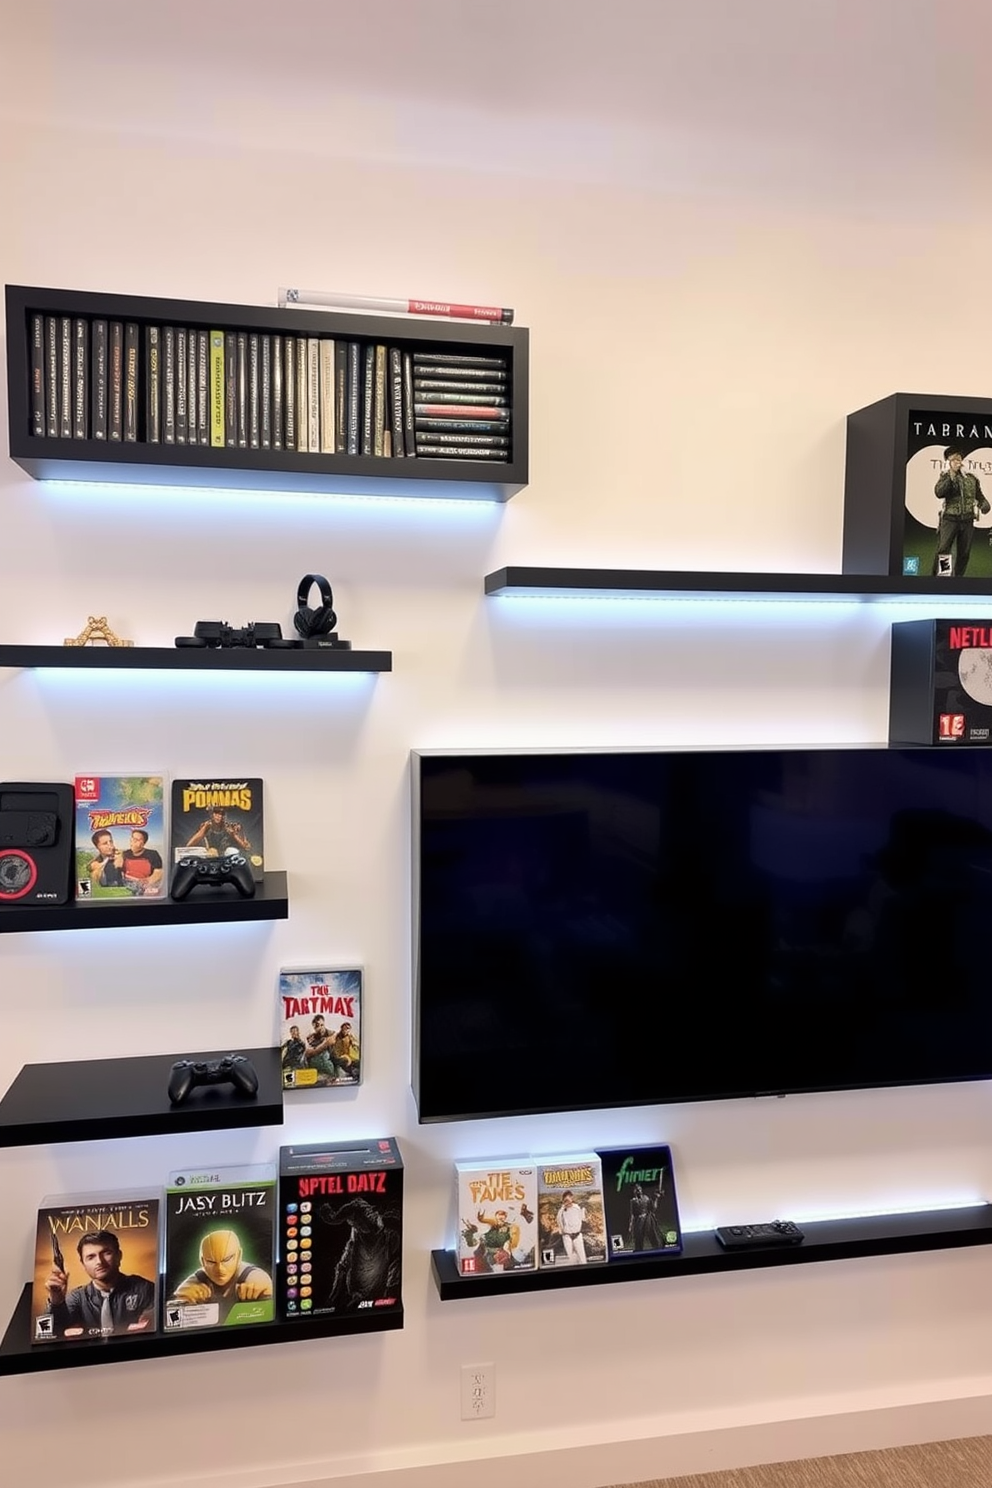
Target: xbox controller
234	869
234	1069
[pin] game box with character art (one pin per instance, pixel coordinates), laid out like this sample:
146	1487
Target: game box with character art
219	1247
120	838
642	1212
320	1027
496	1216
212	818
572	1228
96	1267
940	682
341	1228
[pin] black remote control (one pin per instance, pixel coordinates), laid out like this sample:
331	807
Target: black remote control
747	1237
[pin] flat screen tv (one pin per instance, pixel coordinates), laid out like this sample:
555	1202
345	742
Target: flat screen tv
602	929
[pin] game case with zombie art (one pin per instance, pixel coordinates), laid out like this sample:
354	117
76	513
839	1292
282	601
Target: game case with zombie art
642	1214
572	1227
341	1228
219	1247
320	1027
96	1267
213	818
120	838
496	1216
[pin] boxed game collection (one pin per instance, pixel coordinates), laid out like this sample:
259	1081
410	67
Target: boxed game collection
96	1267
214	818
220	1247
320	1027
120	838
496	1204
940	683
642	1213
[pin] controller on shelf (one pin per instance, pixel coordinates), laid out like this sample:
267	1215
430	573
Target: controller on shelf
233	868
233	1069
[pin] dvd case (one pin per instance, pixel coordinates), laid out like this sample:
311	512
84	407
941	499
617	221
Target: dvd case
639	1199
570	1210
120	838
220	1247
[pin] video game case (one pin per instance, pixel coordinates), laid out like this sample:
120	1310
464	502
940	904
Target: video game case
212	818
254	393
458	452
409	432
341	1228
38	376
340	397
219	1247
489	413
96	1267
265	392
395	401
218	389
289	390
65	376
353	434
120	838
640	1202
115	407
459	426
456	359
462	371
182	387
242	393
80	378
302	396
379	403
203	411
496	1216
320	1027
472	392
192	388
473	399
130	432
481	441
169	384
52	376
571	1221
278	396
368	398
98	379
313	394
230	390
327	395
153	384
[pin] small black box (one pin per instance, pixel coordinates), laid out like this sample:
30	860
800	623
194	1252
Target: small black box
341	1228
36	840
897	454
941	682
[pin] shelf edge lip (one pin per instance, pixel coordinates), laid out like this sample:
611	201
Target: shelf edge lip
270	905
167	658
520	582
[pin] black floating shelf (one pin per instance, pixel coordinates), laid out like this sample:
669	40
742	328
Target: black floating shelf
644	583
91	1100
193	659
703	1255
205	906
19	1356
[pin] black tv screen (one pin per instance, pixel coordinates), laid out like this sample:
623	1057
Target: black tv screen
612	929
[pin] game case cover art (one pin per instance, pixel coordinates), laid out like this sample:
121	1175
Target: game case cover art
96	1267
496	1216
642	1214
571	1221
120	838
220	1247
947	531
212	818
320	1027
341	1228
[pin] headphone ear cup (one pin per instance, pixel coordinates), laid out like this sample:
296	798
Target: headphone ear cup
303	621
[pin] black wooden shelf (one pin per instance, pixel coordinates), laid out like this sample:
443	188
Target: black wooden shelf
19	1356
93	1100
158	464
193	659
204	906
635	583
703	1255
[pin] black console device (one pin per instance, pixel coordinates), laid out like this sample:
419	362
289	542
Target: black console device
218	634
36	839
750	1237
233	1069
232	868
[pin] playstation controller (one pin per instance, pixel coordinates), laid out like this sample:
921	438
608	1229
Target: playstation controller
233	868
233	1069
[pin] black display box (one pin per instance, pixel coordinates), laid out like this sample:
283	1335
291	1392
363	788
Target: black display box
941	682
895	456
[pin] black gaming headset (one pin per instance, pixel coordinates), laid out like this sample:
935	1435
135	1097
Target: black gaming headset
314	622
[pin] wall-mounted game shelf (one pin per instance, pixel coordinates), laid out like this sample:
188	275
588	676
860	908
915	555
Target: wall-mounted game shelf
826	1240
633	583
193	659
93	1100
142	462
204	906
19	1356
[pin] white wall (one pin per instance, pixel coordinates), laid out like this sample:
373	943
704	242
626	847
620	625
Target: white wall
694	353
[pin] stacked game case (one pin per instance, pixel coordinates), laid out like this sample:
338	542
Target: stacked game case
212	818
120	838
341	1227
572	1227
496	1216
320	1027
219	1247
96	1267
642	1214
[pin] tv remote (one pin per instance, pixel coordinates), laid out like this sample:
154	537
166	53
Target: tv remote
747	1237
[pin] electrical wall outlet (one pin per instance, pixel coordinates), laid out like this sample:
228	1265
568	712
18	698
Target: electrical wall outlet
478	1391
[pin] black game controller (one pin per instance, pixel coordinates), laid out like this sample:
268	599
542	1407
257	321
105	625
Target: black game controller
233	868
233	1069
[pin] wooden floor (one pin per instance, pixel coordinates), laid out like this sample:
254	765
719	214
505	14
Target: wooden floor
953	1464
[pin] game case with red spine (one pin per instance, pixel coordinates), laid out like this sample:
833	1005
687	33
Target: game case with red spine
96	1267
213	818
120	838
320	1027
